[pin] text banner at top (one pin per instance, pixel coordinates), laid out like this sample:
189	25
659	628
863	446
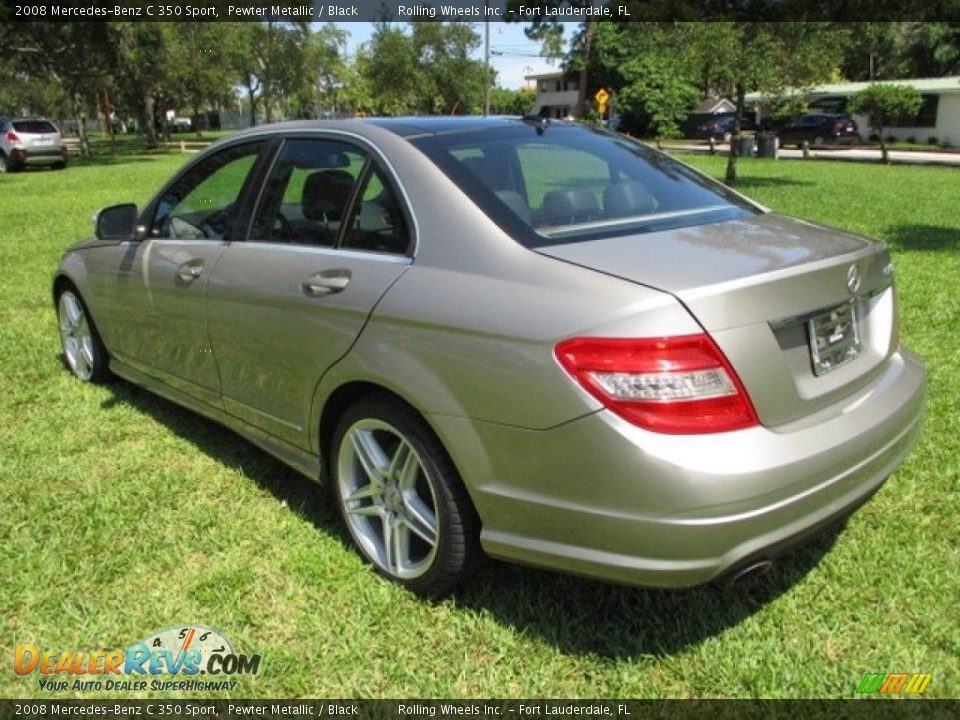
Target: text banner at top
523	11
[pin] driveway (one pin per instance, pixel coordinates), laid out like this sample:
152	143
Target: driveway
917	157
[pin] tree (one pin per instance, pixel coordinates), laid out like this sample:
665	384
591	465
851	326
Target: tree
932	48
357	93
391	72
24	94
885	104
451	82
143	55
549	30
511	102
429	70
655	95
763	57
648	67
203	78
325	67
76	56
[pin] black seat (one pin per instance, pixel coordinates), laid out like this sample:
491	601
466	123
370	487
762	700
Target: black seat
628	197
568	207
325	195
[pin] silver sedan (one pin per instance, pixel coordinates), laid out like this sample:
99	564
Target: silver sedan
517	337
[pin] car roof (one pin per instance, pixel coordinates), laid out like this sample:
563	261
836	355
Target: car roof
405	127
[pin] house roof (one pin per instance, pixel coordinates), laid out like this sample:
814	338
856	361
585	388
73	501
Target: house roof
715	105
949	84
546	75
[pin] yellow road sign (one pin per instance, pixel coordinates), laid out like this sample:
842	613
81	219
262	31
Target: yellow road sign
601	97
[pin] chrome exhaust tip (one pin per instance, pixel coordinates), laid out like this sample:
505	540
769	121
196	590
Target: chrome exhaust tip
752	571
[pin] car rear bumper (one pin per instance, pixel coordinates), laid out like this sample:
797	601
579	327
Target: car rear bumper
37	157
600	497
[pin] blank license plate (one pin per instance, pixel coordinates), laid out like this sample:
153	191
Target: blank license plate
834	338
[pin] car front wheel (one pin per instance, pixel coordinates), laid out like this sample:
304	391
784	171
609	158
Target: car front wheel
83	351
402	499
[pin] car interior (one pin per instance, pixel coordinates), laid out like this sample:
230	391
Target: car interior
310	196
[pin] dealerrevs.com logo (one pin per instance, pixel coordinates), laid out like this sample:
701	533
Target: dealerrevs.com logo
894	683
187	651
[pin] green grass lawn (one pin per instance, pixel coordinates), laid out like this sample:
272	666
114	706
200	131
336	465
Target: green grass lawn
123	514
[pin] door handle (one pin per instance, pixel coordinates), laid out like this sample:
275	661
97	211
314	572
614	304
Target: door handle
190	271
326	282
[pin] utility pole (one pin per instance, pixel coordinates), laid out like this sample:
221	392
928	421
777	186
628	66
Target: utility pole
486	58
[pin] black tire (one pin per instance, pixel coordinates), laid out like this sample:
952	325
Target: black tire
401	499
818	142
84	353
5	164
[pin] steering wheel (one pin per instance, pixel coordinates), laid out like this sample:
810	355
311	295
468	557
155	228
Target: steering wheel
215	225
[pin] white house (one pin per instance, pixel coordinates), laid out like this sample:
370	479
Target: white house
938	118
556	94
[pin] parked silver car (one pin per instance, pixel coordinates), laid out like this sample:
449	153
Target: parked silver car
30	142
524	337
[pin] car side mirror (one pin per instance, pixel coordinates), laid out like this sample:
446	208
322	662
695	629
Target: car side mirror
117	222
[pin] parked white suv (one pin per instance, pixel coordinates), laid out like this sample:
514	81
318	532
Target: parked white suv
31	141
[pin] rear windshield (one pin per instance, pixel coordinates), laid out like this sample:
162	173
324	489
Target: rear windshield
571	183
38	127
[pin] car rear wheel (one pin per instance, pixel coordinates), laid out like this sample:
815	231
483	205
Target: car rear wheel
818	141
83	351
401	498
5	165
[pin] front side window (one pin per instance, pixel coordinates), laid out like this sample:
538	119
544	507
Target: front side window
203	203
567	183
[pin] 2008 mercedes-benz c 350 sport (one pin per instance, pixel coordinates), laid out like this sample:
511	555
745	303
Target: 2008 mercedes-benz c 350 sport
529	338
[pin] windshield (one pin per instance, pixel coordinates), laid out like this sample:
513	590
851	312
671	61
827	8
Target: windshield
571	183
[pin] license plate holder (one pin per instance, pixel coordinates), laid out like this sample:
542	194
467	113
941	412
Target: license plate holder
834	336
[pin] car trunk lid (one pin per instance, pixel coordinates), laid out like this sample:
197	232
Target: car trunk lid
804	313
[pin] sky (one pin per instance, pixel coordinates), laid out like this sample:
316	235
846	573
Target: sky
512	55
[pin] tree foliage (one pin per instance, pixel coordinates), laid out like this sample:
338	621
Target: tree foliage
279	70
425	69
511	102
885	104
77	57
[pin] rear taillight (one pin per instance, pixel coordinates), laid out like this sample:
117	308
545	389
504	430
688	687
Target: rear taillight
12	137
677	385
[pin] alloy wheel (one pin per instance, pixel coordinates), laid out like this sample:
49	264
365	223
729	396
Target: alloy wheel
77	336
388	499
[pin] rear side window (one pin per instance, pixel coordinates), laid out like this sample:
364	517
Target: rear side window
324	192
570	183
36	127
308	192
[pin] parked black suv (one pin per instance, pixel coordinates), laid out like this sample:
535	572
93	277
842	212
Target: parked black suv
819	130
721	128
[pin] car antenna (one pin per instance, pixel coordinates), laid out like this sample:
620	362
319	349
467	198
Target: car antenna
540	122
